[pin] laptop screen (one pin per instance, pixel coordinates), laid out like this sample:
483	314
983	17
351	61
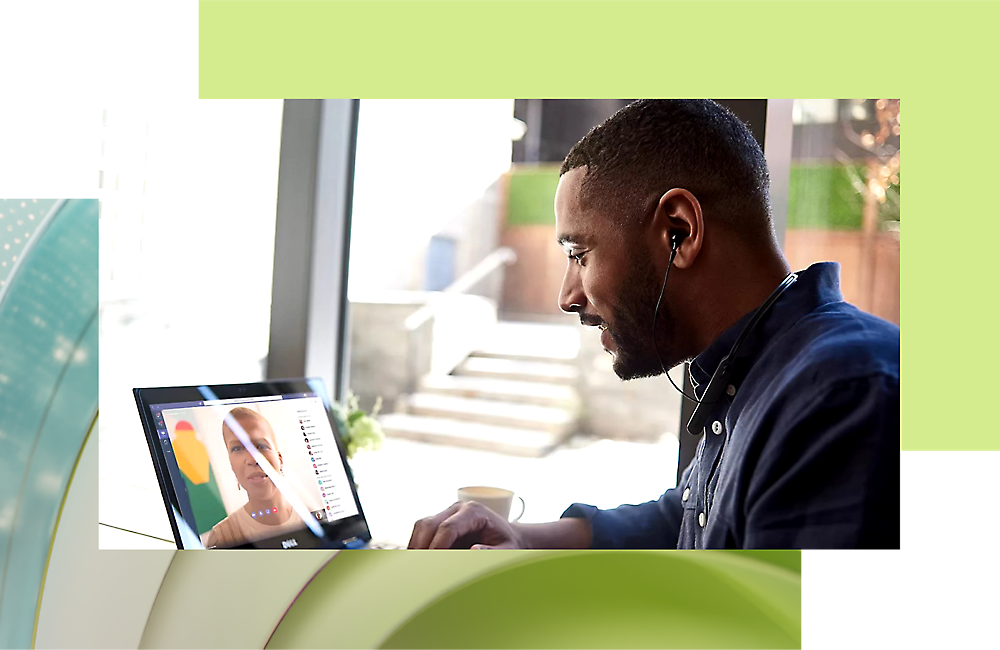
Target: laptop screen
251	469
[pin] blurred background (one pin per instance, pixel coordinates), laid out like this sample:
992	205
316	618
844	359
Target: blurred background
404	250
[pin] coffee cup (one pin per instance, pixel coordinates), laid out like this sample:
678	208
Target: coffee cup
496	499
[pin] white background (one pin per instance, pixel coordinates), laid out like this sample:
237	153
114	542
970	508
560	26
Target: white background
61	59
940	589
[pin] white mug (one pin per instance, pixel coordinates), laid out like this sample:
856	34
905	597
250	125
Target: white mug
496	499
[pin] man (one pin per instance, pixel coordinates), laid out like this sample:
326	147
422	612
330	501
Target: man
801	444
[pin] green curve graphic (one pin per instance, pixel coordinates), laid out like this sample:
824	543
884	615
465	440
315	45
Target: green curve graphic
619	599
548	599
293	601
361	596
48	398
763	587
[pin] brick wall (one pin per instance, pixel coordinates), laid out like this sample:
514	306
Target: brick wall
872	284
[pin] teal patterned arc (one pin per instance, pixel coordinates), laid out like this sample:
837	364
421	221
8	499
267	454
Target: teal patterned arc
48	397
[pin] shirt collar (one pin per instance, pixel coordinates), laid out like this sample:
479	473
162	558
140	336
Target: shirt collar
816	286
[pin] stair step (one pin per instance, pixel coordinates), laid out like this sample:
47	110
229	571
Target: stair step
523	392
517	442
507	414
518	370
514	354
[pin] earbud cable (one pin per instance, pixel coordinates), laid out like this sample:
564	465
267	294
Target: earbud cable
670	263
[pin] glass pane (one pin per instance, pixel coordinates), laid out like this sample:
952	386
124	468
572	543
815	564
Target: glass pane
843	198
188	195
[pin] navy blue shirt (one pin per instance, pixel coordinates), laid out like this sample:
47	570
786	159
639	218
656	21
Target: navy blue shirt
802	450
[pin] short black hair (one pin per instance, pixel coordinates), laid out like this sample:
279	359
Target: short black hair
653	145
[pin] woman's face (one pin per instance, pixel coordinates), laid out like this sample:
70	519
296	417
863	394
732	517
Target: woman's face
248	472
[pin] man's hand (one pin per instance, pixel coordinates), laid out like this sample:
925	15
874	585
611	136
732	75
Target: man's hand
467	523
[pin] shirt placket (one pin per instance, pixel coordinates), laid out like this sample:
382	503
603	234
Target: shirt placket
715	437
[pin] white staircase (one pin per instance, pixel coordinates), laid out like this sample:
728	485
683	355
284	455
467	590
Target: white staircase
513	395
517	370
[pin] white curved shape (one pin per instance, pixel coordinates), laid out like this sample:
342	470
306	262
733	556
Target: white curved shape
228	598
92	598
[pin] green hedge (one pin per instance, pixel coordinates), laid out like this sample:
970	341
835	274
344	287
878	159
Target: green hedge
820	196
532	191
823	196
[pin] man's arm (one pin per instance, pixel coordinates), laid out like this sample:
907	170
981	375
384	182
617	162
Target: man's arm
655	524
565	533
650	525
472	525
829	474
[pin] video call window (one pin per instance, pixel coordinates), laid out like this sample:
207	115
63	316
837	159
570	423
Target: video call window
251	470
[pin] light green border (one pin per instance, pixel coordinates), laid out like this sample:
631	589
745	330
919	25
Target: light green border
937	54
557	48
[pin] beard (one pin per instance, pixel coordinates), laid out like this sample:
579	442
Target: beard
633	332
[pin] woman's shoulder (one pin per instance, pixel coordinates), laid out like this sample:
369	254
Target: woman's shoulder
227	532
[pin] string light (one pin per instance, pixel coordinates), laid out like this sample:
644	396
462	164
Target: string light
880	176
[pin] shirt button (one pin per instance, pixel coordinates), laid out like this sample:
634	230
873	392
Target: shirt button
730	390
701	519
687	493
716	427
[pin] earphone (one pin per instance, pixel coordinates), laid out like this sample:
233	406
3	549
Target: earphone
676	237
720	378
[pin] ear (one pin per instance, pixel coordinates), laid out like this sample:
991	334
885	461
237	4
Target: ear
678	211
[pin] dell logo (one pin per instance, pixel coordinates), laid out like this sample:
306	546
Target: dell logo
289	543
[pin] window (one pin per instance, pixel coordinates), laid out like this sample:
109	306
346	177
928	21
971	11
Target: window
843	202
188	194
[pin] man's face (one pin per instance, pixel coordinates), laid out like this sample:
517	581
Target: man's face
611	282
251	477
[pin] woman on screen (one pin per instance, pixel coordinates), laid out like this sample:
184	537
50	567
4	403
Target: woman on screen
266	513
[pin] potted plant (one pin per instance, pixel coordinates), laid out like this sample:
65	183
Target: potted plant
359	430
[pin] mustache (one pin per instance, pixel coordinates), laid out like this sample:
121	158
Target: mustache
590	320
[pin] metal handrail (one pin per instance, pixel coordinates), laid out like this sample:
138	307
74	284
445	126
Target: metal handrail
487	265
490	263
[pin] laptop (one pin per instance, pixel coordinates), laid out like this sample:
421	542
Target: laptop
259	465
